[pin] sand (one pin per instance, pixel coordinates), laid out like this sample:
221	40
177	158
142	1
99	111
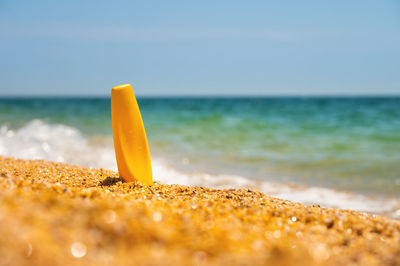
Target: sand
58	214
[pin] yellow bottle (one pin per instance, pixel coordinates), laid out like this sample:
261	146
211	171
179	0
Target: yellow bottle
130	141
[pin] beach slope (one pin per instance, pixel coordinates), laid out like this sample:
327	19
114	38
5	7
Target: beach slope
59	214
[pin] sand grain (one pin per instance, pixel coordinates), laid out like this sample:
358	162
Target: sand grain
58	214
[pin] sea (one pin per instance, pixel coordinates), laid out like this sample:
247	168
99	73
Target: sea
341	152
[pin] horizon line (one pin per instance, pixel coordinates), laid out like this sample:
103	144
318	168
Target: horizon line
76	96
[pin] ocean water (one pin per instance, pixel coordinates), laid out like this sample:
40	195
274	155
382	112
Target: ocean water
336	152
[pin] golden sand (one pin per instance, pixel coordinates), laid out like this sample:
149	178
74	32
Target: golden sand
58	214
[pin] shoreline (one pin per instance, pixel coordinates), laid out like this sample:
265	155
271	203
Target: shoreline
387	206
68	144
55	213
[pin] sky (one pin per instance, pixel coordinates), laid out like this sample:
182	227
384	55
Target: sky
168	48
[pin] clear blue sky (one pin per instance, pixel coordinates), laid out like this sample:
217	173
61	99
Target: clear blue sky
200	47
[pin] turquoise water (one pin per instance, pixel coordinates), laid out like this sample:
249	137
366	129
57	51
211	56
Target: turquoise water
351	144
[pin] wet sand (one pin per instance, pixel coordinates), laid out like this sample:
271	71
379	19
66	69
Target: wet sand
59	214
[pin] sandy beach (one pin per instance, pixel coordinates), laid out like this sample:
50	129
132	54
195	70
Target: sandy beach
59	214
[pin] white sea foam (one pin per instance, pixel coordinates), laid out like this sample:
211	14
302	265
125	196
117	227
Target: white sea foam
60	143
39	140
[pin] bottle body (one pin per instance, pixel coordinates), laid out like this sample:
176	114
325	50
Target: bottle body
130	141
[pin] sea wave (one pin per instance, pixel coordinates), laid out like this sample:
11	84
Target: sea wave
61	143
